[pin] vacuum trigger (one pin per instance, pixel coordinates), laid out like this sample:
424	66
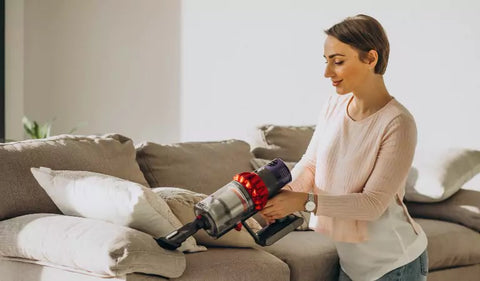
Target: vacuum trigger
238	227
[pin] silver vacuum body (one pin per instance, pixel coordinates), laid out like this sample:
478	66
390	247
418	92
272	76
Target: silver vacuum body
225	208
241	198
231	205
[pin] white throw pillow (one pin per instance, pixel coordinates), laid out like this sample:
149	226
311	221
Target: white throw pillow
182	201
111	199
88	246
437	174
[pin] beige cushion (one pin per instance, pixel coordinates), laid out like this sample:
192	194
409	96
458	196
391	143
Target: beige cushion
222	264
111	199
286	142
21	194
450	244
463	273
87	246
462	208
202	167
257	163
310	256
438	173
182	201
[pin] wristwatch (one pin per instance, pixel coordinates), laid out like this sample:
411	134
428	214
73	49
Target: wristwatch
310	204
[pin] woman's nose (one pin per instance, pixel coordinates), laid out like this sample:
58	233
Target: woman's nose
328	72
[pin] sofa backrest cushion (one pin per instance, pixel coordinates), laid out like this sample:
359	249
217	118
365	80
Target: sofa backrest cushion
21	194
202	167
286	142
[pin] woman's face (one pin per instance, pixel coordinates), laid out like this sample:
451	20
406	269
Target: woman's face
344	67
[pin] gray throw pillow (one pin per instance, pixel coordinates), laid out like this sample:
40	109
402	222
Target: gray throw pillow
286	142
203	167
462	208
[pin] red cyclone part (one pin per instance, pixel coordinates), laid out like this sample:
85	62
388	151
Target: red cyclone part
255	187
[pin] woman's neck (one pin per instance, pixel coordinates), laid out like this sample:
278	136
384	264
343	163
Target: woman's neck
372	97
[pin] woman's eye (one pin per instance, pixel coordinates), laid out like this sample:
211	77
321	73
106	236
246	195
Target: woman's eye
339	62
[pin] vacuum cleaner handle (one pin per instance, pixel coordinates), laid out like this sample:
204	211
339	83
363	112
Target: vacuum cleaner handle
273	232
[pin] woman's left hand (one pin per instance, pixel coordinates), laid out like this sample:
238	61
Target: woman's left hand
283	204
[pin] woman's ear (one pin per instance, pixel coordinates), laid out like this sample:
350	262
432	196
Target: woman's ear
372	59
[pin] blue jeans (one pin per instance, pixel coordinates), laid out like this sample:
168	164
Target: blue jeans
416	270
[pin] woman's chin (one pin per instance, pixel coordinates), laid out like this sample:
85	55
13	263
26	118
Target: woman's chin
341	91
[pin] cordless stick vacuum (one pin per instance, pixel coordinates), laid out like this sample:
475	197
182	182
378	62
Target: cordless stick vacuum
230	206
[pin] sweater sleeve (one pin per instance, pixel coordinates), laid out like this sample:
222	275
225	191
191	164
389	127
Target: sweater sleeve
303	173
390	171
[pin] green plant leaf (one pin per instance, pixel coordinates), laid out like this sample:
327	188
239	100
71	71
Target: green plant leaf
44	130
28	127
36	130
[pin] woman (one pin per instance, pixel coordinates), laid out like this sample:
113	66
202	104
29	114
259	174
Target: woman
353	174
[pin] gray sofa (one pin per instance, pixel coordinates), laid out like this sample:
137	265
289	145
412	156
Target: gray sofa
203	167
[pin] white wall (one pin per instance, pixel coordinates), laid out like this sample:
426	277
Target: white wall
14	78
113	64
173	70
246	63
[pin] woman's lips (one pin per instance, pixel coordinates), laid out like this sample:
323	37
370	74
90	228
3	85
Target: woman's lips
336	83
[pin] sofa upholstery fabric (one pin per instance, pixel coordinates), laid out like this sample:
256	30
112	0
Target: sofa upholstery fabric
286	142
21	194
221	264
309	255
464	273
462	208
202	167
450	244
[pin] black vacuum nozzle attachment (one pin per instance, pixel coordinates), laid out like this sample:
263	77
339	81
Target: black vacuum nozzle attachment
173	240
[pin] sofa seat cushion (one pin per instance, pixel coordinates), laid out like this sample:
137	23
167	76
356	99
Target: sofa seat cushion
219	264
309	255
450	244
463	273
21	194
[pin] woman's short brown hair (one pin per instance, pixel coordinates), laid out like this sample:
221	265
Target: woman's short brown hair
364	33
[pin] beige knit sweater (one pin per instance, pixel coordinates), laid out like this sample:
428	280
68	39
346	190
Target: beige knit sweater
357	168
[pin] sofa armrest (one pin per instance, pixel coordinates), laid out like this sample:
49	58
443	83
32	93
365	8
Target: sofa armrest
90	246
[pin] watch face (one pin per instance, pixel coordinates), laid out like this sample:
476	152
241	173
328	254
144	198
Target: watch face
310	206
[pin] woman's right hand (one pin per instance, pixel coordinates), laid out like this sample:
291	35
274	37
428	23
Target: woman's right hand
267	219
